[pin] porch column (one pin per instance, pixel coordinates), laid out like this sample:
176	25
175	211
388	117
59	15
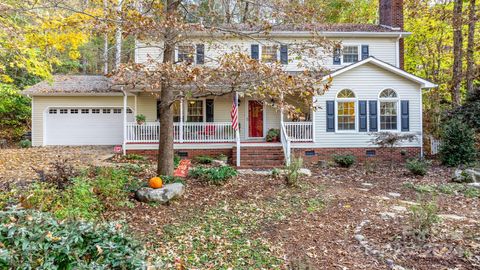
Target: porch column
237	131
281	109
124	122
181	121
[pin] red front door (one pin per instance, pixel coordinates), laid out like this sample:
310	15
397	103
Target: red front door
255	118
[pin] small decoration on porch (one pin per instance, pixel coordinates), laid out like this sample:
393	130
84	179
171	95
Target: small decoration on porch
182	169
141	119
273	135
155	182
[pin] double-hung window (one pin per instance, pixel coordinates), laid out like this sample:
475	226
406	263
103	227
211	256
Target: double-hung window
388	110
269	53
195	111
346	108
176	111
186	53
350	54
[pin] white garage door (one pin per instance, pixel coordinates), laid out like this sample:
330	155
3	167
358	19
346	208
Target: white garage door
85	126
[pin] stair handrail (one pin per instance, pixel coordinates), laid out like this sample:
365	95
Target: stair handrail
285	144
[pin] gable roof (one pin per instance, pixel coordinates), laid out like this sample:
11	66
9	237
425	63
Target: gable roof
72	84
372	60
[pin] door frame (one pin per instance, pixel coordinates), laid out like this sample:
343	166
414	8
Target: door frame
247	120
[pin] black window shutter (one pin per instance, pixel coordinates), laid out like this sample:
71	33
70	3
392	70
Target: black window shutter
200	54
330	116
362	116
373	118
365	53
255	52
336	56
209	109
405	115
284	54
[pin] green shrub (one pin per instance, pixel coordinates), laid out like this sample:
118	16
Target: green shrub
135	157
25	144
423	217
417	166
42	197
204	159
344	160
15	112
111	186
292	175
217	175
275	173
222	157
168	179
176	161
458	143
471	192
79	201
35	240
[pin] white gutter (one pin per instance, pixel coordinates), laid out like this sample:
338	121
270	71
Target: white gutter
305	34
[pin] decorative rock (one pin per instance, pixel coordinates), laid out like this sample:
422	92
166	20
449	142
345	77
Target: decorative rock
452	217
305	171
394	194
161	195
475	185
408	202
466	176
323	164
387	215
359	237
367	184
399	208
218	163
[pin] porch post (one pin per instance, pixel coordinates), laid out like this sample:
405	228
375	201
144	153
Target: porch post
281	109
237	132
124	121
181	121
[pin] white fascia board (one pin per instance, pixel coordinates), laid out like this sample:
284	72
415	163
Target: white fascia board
53	94
299	34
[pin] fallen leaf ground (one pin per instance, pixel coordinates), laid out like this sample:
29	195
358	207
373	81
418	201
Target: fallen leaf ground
256	222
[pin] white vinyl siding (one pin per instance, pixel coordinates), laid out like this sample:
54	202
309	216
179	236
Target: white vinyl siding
367	81
381	48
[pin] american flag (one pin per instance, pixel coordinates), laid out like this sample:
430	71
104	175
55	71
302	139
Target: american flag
234	113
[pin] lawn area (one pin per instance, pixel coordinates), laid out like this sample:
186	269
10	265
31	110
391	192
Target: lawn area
339	218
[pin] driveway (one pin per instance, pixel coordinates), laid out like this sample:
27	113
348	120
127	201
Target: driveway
20	164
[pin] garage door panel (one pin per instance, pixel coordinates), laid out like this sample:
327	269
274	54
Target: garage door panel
84	128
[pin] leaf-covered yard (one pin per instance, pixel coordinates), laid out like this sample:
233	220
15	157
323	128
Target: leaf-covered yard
339	218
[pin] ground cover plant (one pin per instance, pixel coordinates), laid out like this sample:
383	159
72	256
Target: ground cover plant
213	175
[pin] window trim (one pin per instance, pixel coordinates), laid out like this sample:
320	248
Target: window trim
355	102
359	53
388	99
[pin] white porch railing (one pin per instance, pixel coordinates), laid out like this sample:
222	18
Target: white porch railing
285	143
182	132
299	131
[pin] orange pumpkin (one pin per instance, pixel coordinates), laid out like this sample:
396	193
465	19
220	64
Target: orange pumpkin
155	182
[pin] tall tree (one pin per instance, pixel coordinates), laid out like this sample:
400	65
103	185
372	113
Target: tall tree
457	51
470	74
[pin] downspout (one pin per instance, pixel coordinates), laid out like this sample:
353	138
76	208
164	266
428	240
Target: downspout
124	144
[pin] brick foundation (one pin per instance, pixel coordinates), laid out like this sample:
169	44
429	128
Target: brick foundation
381	154
190	153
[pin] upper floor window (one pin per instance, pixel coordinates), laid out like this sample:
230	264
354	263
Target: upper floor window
269	53
346	110
350	54
186	53
388	110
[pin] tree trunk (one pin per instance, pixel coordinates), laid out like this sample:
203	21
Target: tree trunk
470	49
165	144
118	37
457	52
105	42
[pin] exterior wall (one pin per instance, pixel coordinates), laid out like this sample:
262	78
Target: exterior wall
147	105
41	103
367	81
383	48
399	154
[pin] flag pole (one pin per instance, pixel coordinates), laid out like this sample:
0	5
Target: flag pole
237	132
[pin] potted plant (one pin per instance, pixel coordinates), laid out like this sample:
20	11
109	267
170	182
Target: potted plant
140	119
273	135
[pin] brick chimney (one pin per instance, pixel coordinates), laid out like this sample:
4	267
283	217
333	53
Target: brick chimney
391	15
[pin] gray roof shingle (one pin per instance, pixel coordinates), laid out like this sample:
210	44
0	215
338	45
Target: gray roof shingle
70	84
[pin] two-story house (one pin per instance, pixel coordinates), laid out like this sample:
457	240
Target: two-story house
370	92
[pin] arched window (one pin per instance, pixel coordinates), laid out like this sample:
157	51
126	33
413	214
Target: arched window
346	110
388	109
